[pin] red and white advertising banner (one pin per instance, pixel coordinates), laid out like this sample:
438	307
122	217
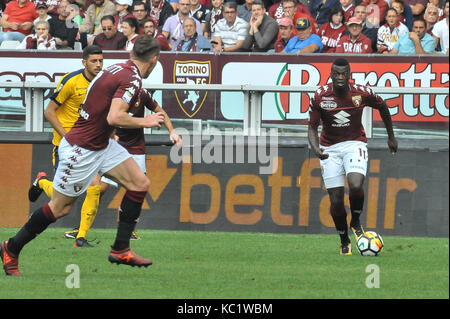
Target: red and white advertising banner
252	69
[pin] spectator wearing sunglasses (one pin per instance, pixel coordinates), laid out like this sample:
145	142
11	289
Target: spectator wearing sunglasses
110	38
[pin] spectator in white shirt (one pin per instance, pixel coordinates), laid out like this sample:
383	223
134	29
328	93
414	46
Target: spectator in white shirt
41	40
440	31
390	32
230	31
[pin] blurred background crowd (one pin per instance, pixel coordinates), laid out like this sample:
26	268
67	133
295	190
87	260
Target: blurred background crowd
274	26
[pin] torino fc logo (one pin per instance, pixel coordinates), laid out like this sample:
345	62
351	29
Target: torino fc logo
191	73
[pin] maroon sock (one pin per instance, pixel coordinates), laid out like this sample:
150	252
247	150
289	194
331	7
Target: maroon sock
129	212
38	222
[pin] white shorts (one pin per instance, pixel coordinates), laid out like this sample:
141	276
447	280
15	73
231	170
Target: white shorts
140	160
345	157
78	166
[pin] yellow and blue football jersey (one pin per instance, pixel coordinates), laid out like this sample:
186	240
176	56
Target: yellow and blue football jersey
69	95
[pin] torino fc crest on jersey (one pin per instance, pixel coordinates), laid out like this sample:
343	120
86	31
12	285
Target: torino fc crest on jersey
356	100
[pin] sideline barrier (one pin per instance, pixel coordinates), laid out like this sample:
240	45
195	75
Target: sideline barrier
405	195
34	97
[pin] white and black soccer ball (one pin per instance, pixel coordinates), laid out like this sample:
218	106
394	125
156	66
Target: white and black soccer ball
370	244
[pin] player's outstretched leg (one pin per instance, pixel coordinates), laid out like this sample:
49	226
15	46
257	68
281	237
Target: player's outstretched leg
10	249
130	210
10	261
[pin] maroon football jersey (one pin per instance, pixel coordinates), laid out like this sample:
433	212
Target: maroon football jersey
362	45
133	139
92	131
341	115
330	36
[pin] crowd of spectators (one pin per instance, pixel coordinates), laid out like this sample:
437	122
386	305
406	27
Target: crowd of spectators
278	26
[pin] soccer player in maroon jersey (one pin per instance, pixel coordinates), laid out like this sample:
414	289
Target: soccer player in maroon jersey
88	149
342	148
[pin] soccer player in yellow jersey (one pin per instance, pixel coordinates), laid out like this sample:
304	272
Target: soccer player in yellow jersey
62	112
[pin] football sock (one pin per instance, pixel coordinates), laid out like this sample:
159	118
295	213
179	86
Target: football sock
356	206
129	212
47	186
89	210
36	224
339	216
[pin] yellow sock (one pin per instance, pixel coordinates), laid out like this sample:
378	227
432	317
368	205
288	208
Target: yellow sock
47	186
89	210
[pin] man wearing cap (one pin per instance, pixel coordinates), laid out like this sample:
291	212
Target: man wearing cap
42	10
263	30
123	12
355	41
285	26
305	41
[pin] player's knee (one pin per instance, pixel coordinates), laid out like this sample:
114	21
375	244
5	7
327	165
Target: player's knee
355	187
355	182
143	184
60	212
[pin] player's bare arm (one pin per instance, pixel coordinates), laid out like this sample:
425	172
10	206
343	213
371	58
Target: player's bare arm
50	115
313	137
387	120
174	137
118	116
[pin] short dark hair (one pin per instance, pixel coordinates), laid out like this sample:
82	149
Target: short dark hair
341	62
419	19
145	48
90	50
390	9
133	22
139	3
108	17
258	3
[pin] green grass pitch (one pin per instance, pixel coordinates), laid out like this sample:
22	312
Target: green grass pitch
205	265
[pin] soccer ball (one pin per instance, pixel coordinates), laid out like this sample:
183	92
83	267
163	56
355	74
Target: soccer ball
370	244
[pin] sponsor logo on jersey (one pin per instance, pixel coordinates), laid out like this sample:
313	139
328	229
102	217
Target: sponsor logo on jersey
341	119
328	105
191	73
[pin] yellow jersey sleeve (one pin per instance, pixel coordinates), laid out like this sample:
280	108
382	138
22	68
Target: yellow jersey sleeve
69	95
